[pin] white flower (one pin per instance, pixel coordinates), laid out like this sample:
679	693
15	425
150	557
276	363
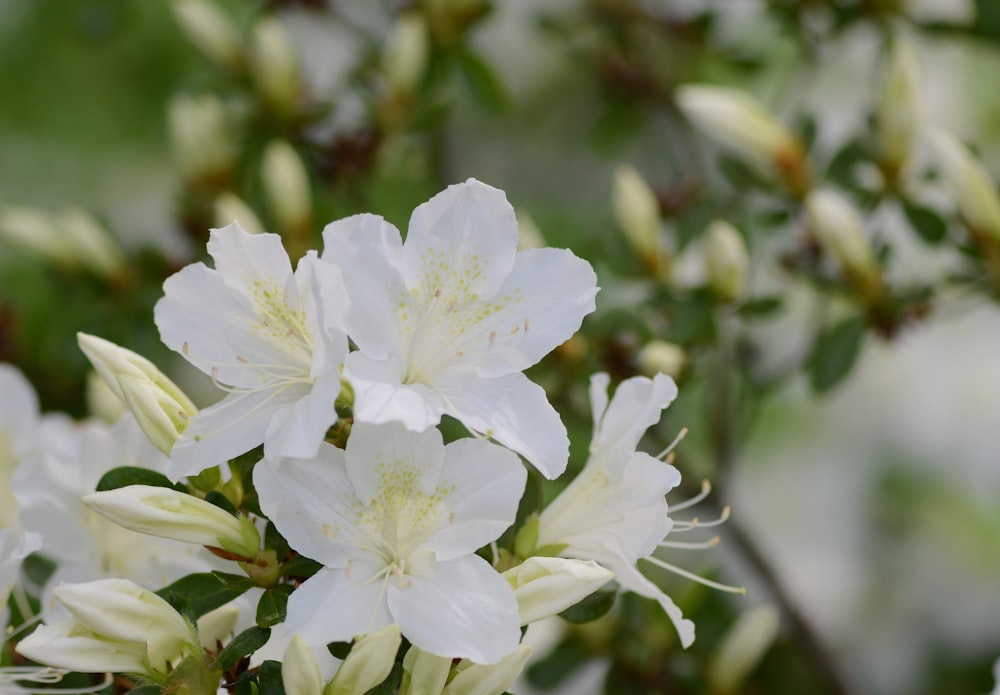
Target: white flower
545	586
19	422
14	547
396	520
265	333
614	511
446	322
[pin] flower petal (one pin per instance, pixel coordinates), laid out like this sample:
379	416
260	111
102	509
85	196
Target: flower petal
339	604
390	455
297	429
514	411
459	608
244	260
54	645
636	406
380	396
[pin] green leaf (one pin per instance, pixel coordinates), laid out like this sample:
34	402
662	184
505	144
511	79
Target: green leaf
484	86
760	306
272	606
132	475
219	500
206	591
244	644
301	567
557	665
340	650
834	354
146	690
590	608
925	222
273	540
391	684
269	678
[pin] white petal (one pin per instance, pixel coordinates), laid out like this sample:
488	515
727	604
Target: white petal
382	455
338	605
368	250
637	405
459	608
297	429
244	259
313	505
52	645
487	482
515	412
324	299
380	396
539	306
463	239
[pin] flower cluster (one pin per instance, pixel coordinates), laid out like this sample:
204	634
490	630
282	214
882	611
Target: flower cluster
323	474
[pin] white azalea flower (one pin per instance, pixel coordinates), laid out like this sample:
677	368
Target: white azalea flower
396	520
265	334
18	425
614	511
446	322
14	547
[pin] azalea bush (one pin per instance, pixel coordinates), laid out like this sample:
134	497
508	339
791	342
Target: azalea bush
379	400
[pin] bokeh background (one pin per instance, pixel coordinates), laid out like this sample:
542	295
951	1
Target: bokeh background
865	510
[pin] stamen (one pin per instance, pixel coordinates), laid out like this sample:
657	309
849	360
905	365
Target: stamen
10	674
710	543
677	440
696	523
695	578
706	487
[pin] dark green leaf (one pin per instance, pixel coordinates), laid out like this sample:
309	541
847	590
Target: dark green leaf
760	306
270	678
219	500
244	644
301	567
131	475
391	684
591	608
150	689
842	165
835	351
273	540
340	650
557	665
926	222
482	82
207	591
38	568
271	607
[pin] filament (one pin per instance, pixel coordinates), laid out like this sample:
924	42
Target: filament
694	577
685	545
697	523
706	487
675	442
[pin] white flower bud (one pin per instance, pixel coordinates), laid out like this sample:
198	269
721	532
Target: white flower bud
210	31
230	207
67	645
838	229
286	186
424	673
661	357
369	663
217	626
37	233
544	586
202	139
637	212
970	183
479	679
300	672
899	113
90	243
742	649
726	260
101	400
529	236
274	65
739	123
406	53
167	513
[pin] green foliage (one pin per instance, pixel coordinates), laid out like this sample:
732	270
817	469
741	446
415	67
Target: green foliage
131	475
835	352
244	644
201	593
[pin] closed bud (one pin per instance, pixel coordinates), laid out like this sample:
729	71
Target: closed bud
369	663
970	183
90	243
69	646
299	669
229	208
838	229
101	400
637	213
424	673
898	114
286	186
35	232
742	649
661	357
406	53
726	260
202	139
740	124
529	236
494	679
544	586
274	66
160	417
211	31
167	513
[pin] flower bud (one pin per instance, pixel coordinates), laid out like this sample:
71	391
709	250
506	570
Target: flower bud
217	626
637	213
405	57
101	400
740	124
369	663
726	260
299	669
479	679
90	243
742	648
424	673
210	31
838	229
202	139
661	357
529	236
286	186
69	646
167	513
230	207
35	232
274	66
970	183
544	586
898	113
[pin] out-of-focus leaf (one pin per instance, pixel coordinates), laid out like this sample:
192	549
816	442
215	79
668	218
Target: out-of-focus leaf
834	354
590	608
554	668
484	86
925	222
